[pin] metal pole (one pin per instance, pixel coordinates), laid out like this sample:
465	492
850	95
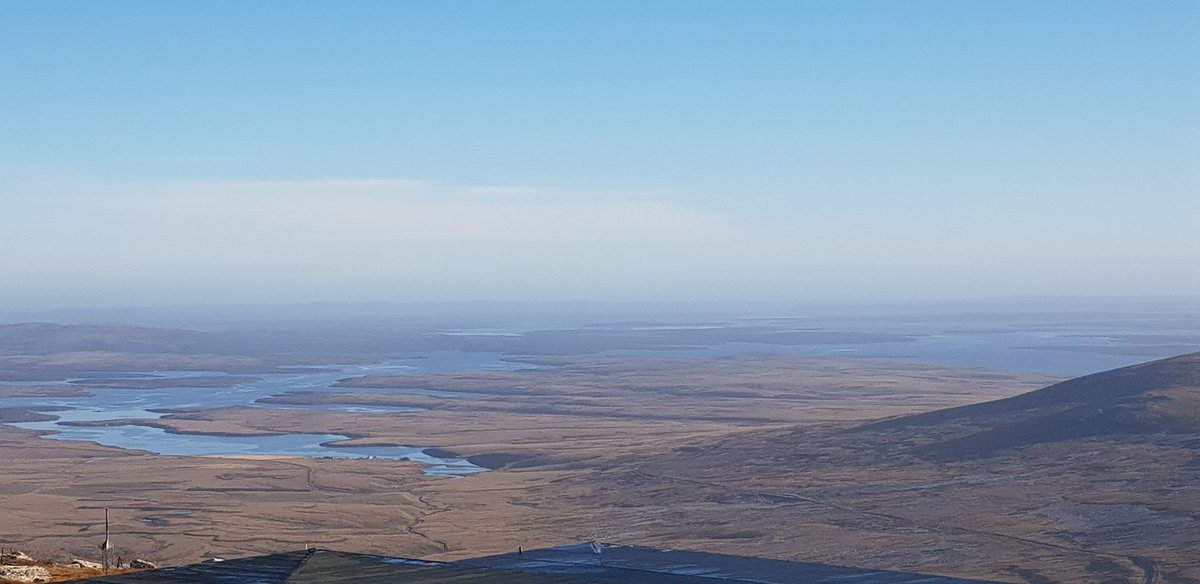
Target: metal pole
104	547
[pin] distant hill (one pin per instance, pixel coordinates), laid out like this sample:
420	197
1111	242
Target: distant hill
1159	396
40	338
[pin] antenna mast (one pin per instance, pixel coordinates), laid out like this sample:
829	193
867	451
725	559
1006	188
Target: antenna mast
106	546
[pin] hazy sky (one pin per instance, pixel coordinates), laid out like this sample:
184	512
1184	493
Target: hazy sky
254	151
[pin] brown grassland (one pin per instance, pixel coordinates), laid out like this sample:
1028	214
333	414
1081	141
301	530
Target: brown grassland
754	456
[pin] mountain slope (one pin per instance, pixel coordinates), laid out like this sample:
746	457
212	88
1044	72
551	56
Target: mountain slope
1159	396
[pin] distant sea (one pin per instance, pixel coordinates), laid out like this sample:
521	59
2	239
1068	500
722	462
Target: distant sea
1057	348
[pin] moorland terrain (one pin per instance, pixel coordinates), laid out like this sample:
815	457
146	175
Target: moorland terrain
813	459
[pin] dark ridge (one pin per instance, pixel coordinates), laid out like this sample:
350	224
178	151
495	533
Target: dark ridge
1159	396
570	564
1103	388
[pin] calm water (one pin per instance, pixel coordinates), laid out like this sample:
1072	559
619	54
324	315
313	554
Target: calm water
1064	348
116	404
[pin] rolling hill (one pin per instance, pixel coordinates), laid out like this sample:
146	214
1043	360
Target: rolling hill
1156	397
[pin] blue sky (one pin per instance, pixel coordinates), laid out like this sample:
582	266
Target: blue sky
162	152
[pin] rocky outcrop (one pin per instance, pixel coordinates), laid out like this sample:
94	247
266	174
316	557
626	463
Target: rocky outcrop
86	564
24	574
140	564
15	557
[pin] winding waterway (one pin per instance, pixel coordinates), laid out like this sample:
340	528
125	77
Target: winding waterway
1062	348
102	404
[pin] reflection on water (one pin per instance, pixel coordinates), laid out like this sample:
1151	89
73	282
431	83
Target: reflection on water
309	445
